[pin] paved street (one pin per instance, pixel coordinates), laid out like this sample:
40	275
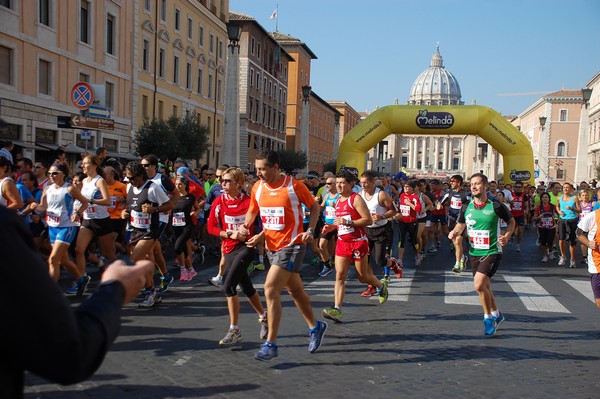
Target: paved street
425	342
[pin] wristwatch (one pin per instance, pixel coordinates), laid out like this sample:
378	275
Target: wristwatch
229	234
92	201
310	231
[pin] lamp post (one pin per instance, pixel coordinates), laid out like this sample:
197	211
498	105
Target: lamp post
545	142
234	143
305	131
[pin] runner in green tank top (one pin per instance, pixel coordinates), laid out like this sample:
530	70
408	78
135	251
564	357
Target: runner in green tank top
480	217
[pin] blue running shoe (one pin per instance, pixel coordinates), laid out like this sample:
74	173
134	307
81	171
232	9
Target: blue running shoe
72	290
498	320
267	351
316	336
489	326
82	283
325	271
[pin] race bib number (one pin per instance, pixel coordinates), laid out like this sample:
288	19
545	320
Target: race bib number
517	206
91	210
140	220
178	219
113	202
273	217
405	210
52	219
233	223
480	239
330	212
345	229
455	203
547	222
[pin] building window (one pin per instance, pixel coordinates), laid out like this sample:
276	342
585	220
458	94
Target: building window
84	77
148	5
163	11
188	76
219	89
6	62
84	22
252	44
250	103
44	77
110	34
176	69
177	20
212	44
220	50
561	149
210	86
161	63
200	77
201	36
44	9
563	115
146	55
145	107
560	174
258	50
251	77
455	163
7	3
109	94
161	106
175	111
190	29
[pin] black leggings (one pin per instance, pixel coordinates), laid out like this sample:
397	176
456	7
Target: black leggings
410	228
183	234
237	262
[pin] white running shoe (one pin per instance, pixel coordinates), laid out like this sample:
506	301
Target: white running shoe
551	255
545	259
217	281
561	261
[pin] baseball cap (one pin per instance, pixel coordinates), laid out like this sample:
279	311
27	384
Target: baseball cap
183	171
311	176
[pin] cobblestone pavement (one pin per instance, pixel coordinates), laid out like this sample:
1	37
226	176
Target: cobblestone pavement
425	342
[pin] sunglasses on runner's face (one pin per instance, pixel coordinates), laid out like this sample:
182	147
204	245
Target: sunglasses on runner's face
226	181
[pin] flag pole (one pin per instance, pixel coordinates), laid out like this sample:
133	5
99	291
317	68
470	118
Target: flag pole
277	18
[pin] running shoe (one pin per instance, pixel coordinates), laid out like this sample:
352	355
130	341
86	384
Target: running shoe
545	259
561	261
72	290
456	268
387	278
152	299
325	271
383	292
463	262
498	320
551	255
370	291
333	314
418	260
102	264
82	283
217	281
165	281
191	273
198	254
316	336
184	275
572	264
176	266
250	268
432	249
259	266
143	293
489	326
264	327
396	268
267	351
231	337
439	244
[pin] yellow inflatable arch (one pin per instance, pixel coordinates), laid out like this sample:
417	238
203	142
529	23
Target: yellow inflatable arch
440	120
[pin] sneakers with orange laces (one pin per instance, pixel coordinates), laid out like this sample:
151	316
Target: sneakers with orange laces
396	268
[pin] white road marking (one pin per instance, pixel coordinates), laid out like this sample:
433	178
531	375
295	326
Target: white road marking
583	287
459	289
533	295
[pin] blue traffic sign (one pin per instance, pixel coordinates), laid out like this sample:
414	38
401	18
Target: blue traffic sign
99	112
82	95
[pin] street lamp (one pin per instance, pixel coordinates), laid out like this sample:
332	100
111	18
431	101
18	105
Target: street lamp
543	120
586	94
305	132
235	148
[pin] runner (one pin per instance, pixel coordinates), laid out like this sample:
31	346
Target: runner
227	214
438	218
480	218
145	201
278	199
183	227
589	235
328	238
456	198
567	208
410	207
352	216
519	210
545	218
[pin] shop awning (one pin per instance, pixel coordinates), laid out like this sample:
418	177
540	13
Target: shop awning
74	149
31	146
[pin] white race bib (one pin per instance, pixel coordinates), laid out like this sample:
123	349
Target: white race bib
140	220
405	210
178	219
330	212
273	217
480	239
233	223
53	219
345	228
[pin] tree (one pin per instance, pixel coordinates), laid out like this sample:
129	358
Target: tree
330	166
291	160
174	138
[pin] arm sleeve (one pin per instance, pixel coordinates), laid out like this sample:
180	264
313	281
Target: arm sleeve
46	336
213	226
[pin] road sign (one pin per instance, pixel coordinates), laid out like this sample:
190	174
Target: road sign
88	122
99	112
536	173
86	134
63	121
82	95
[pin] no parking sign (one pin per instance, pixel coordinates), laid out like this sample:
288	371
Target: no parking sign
82	95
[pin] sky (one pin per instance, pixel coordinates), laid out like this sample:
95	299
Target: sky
505	54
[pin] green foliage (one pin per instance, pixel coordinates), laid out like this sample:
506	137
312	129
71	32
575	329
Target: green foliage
291	160
174	138
330	166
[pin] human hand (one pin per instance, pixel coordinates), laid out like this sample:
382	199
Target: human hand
133	277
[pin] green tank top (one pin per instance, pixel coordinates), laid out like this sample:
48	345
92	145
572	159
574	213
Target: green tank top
483	230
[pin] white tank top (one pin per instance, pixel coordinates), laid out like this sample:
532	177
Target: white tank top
60	206
3	201
375	207
423	206
90	191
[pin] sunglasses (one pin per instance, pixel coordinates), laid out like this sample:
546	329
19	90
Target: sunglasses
328	184
226	181
54	173
146	165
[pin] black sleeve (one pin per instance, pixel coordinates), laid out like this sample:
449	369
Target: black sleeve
167	183
461	215
42	332
502	211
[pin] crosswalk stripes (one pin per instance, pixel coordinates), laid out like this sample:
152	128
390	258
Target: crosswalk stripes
582	286
459	289
533	295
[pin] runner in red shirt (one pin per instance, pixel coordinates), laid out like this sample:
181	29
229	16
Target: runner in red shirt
410	207
519	209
